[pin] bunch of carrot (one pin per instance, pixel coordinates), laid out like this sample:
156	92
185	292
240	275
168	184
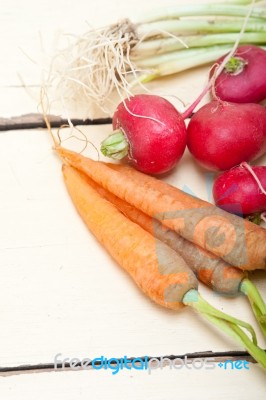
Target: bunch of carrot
126	210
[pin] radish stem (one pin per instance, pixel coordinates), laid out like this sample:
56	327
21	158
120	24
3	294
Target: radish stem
235	65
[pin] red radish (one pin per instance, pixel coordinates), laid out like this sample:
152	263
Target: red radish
243	79
223	135
149	131
238	192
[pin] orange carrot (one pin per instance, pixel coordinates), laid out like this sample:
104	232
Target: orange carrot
131	246
243	243
157	269
214	272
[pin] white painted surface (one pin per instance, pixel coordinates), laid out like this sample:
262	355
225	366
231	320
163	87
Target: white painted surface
62	292
136	385
59	291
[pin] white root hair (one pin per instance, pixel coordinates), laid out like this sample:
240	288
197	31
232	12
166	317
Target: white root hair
94	66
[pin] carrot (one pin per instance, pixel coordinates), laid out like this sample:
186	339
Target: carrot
244	243
131	246
214	272
157	269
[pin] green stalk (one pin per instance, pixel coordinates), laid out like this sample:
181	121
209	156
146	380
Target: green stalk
188	10
197	27
256	301
181	56
237	334
165	45
179	65
231	326
115	145
194	299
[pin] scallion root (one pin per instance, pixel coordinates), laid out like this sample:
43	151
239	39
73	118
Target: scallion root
103	66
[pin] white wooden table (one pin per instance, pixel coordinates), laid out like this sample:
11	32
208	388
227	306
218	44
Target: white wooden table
59	291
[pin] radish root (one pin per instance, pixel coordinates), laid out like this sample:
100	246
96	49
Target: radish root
57	139
248	167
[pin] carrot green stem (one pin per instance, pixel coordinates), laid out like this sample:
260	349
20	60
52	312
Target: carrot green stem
231	326
194	299
257	303
237	334
115	145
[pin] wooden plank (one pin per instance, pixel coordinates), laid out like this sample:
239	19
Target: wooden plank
31	121
161	384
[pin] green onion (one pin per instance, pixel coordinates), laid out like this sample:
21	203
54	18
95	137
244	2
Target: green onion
164	45
106	63
179	11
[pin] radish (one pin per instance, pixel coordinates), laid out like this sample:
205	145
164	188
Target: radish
238	191
223	135
149	131
243	79
152	133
